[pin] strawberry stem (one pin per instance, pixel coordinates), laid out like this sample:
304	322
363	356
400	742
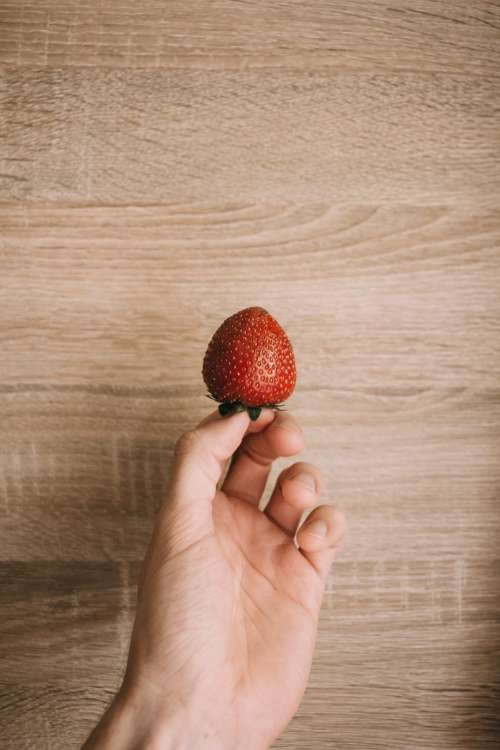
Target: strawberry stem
231	407
254	412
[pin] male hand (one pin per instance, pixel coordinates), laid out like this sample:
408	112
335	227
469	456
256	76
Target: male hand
228	605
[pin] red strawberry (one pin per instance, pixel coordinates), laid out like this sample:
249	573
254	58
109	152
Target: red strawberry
249	363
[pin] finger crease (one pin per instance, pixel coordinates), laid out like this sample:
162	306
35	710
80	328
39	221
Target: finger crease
247	496
283	499
254	456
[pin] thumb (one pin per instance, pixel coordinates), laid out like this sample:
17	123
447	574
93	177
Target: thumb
200	456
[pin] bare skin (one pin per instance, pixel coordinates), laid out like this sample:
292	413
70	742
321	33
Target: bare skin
228	603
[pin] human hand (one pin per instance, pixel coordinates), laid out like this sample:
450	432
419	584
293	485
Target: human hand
228	605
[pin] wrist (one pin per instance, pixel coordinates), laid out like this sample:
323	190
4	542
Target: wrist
137	720
131	723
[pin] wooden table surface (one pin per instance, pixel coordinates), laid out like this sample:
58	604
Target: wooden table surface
166	164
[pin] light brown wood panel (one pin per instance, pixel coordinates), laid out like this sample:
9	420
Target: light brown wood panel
372	296
165	164
393	311
365	35
83	470
288	135
376	620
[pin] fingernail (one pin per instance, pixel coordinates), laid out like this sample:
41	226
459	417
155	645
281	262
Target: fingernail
305	478
317	527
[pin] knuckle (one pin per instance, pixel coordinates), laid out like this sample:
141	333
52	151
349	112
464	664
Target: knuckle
302	467
187	442
305	466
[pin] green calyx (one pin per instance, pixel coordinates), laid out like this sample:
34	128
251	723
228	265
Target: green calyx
231	407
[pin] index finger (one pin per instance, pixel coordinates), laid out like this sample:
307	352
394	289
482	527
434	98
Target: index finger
251	463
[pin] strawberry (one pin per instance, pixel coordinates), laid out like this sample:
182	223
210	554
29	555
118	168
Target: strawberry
249	363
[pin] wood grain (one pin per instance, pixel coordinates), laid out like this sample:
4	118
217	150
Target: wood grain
163	165
133	136
393	311
84	471
130	294
390	607
367	35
